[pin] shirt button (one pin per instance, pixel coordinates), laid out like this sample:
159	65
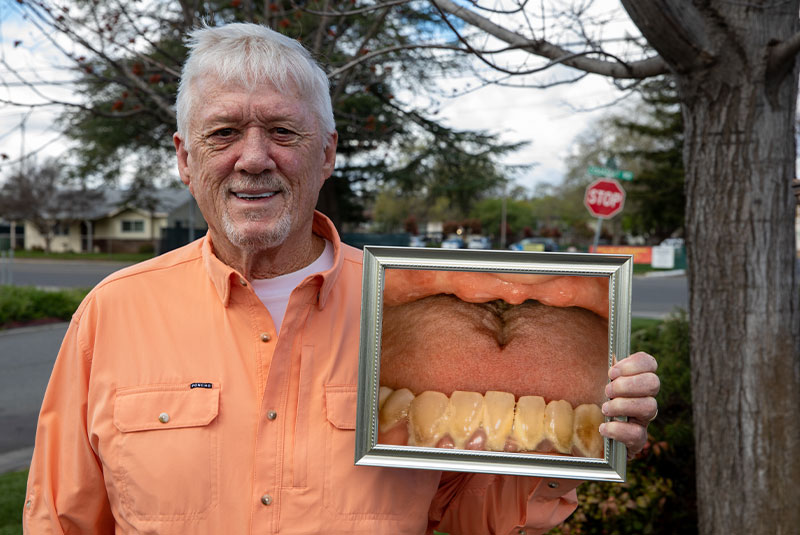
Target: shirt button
271	415
265	337
163	417
243	282
266	499
553	485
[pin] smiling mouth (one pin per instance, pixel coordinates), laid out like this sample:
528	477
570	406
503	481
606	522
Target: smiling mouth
491	361
254	196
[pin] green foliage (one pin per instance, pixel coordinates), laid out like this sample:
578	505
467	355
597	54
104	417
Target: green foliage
12	498
129	79
659	496
23	304
650	145
657	198
519	215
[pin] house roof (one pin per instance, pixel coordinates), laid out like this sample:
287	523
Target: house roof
113	202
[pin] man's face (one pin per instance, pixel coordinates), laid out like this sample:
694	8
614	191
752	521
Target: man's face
255	161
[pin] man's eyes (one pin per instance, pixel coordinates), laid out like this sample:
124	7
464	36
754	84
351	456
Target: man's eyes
278	133
284	133
223	132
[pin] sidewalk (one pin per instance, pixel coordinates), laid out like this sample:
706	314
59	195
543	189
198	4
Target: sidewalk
11	461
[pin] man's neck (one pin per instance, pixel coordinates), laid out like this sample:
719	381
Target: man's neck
290	256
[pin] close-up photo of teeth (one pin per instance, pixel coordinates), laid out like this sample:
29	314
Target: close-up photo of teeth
490	422
493	361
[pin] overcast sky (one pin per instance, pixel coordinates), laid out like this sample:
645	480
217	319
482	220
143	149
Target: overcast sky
549	119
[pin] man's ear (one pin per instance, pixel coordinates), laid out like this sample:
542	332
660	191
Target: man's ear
183	159
330	155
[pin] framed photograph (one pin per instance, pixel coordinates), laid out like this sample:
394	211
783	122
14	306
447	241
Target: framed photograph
491	361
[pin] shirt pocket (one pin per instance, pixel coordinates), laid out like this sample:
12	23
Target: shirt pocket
168	450
368	491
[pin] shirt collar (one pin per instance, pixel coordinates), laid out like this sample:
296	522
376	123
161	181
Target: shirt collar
223	276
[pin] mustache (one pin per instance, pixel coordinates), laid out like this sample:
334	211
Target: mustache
260	181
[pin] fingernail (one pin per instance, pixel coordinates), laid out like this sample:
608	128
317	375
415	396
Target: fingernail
613	373
609	391
604	408
602	429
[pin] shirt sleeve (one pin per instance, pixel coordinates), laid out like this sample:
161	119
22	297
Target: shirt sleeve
500	505
66	491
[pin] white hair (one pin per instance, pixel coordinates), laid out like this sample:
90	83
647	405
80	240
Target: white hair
251	55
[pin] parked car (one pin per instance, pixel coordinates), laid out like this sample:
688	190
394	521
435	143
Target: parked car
453	243
534	244
479	242
417	241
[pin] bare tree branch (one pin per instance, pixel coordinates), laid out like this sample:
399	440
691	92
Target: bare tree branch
389	50
645	68
359	11
783	53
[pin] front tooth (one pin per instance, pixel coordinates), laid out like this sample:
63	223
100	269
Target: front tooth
558	417
427	418
498	418
395	408
383	393
529	422
466	411
585	433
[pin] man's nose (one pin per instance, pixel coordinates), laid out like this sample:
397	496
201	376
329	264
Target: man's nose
255	155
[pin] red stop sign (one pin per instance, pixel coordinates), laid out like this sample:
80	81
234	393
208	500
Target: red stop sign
604	198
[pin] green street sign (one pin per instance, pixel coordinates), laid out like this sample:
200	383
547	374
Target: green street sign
606	172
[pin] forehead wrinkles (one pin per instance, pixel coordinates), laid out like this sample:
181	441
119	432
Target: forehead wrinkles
237	102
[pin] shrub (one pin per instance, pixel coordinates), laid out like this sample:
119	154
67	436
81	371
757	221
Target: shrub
659	496
24	303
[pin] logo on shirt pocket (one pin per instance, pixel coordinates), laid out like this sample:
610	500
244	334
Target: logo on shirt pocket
168	453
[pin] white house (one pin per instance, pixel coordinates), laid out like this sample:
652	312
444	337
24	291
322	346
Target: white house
112	225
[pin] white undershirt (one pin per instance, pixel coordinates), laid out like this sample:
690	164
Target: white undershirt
275	292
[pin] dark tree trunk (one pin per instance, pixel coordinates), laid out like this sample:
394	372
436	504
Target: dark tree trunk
740	153
745	328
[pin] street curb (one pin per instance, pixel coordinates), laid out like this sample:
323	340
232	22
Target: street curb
34	328
11	461
668	273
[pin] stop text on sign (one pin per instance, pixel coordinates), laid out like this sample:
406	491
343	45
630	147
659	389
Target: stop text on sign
604	198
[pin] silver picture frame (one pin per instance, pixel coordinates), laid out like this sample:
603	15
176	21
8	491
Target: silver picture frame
618	269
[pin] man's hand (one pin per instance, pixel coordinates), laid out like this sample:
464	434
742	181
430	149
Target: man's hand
631	393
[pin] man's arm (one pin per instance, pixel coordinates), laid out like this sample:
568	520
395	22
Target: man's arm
66	492
501	505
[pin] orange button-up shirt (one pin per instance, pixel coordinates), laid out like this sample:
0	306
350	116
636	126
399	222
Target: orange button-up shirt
174	408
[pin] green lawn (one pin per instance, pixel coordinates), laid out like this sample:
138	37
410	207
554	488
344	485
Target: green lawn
115	257
12	496
642	323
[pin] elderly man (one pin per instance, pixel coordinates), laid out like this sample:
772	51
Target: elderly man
212	389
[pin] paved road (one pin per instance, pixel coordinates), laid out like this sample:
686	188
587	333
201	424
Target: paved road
61	273
26	359
656	297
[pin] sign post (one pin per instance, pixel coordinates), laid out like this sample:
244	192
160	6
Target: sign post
604	199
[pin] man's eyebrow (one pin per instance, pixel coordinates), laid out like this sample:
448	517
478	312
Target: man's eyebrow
222	117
